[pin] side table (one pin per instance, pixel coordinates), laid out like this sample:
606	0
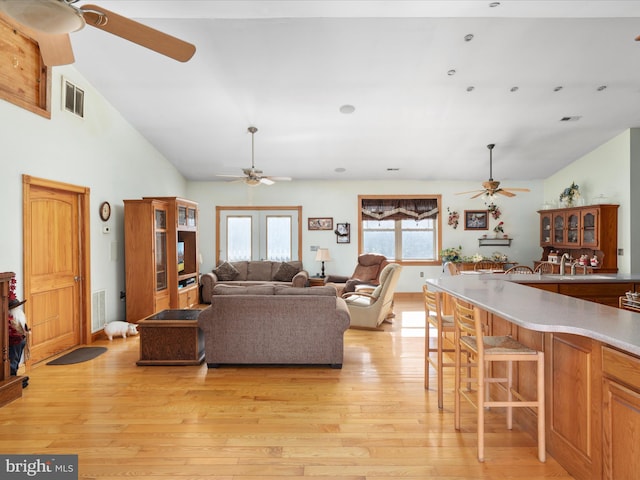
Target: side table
171	337
316	281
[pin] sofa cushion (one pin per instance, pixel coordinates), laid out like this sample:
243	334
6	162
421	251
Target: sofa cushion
243	267
266	289
325	291
286	272
259	271
225	271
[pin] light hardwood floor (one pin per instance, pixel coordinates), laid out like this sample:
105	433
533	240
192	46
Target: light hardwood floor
371	420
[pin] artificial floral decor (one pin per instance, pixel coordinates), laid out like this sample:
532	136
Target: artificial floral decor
499	228
451	254
477	258
454	218
570	194
494	210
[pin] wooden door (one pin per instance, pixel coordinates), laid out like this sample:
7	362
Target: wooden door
56	287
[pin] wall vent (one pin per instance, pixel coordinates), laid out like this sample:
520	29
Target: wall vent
99	308
72	98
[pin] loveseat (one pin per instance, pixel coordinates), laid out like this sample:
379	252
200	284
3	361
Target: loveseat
255	272
273	324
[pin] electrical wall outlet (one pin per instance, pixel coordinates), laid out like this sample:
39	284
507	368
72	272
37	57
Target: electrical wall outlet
621	251
314	248
421	274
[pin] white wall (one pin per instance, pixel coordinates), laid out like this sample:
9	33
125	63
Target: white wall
605	170
102	152
339	200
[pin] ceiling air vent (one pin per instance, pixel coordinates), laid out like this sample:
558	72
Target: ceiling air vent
574	118
72	98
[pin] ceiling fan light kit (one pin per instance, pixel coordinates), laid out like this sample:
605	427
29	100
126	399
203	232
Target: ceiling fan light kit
54	17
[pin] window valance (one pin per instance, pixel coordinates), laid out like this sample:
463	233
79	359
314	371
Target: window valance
399	208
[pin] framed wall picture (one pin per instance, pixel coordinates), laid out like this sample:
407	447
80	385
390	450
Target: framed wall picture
324	223
476	220
343	233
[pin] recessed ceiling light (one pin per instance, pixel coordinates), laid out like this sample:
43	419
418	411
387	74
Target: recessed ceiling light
601	88
451	72
573	118
494	4
514	89
468	37
470	88
340	170
393	169
558	88
346	109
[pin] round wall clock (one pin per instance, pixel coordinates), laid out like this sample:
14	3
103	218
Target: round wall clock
105	211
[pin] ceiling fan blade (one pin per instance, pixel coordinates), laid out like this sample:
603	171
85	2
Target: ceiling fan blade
138	33
266	181
470	191
505	193
55	49
479	194
230	176
517	189
280	179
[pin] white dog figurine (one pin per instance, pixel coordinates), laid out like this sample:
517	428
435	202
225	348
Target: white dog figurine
113	329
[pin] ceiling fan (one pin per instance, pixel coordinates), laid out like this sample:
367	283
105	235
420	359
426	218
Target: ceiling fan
49	23
492	187
253	176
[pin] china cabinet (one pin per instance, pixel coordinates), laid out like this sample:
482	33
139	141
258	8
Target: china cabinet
588	230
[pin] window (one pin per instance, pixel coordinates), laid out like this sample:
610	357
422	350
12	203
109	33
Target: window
258	233
402	228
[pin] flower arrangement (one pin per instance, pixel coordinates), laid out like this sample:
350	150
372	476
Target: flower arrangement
477	258
499	228
570	194
494	210
454	218
451	254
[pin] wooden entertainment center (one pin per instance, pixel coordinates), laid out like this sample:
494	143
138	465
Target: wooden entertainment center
161	255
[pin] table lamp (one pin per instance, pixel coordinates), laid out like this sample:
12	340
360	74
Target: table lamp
322	255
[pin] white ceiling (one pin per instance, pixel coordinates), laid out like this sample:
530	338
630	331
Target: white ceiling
287	67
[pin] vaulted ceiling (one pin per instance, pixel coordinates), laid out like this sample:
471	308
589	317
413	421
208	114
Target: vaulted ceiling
546	81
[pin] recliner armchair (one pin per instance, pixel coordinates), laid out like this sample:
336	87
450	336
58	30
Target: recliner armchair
369	310
367	272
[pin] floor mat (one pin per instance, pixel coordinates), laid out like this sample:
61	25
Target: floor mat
79	355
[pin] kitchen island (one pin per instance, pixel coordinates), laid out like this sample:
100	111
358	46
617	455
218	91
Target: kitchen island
592	364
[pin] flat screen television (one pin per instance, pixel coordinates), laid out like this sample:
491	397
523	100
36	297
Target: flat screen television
180	257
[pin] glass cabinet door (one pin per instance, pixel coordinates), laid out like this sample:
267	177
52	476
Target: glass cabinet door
558	229
573	228
161	249
589	228
545	229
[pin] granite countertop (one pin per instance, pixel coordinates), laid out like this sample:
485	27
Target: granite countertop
544	311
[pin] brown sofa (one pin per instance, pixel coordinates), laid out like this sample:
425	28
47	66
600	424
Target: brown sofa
269	324
256	272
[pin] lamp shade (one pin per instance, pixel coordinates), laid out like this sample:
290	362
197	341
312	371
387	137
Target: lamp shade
322	255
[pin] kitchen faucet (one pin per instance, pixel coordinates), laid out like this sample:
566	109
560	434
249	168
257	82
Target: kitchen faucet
563	261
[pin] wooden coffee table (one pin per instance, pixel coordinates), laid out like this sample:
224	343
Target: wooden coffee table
171	337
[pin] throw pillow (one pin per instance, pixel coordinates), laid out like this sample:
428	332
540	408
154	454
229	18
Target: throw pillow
286	272
226	272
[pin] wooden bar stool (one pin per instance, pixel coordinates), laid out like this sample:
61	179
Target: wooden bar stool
443	325
486	349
